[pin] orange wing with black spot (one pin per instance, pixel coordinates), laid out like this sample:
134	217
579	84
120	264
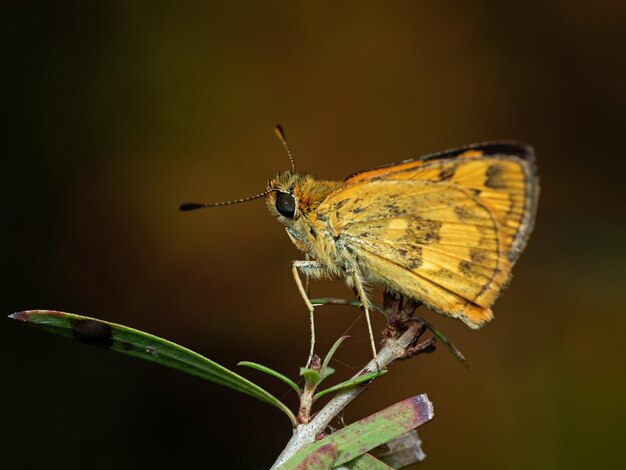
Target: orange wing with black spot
444	229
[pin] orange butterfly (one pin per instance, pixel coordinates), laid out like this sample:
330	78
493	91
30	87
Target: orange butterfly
444	229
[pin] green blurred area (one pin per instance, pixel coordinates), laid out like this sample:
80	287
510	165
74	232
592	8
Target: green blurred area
116	112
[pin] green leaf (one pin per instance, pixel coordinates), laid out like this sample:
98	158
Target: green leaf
367	462
371	432
325	371
145	346
449	346
350	383
335	301
351	303
272	372
311	376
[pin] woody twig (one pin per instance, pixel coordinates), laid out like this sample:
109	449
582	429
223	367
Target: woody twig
400	341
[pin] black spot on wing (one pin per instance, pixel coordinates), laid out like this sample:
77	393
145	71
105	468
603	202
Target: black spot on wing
424	231
447	172
466	268
412	259
477	256
495	177
340	204
393	209
463	213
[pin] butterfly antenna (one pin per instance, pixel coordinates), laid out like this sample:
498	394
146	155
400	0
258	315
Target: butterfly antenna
280	133
190	206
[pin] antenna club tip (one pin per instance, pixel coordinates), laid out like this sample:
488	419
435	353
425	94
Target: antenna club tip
189	206
278	129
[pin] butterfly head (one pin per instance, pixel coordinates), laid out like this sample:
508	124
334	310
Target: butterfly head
282	195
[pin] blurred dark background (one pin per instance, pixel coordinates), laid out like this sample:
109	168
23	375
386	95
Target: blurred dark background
115	112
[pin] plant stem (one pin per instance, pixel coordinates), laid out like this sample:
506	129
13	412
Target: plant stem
304	434
306	398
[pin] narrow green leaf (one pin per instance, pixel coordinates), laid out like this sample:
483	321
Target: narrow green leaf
310	376
351	303
325	371
335	301
272	372
350	383
145	346
367	462
449	346
373	431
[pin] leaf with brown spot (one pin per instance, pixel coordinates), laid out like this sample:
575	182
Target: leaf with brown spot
147	347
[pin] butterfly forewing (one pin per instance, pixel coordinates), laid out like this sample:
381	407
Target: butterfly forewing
445	230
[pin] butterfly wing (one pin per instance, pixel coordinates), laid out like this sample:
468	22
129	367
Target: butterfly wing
445	229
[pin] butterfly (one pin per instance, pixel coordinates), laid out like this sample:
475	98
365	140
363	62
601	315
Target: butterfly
443	229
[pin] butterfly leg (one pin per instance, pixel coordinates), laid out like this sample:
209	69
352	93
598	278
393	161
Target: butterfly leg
307	279
310	269
357	283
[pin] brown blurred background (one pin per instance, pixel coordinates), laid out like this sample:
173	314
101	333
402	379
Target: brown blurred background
115	112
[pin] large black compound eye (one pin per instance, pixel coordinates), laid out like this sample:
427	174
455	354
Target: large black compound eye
286	204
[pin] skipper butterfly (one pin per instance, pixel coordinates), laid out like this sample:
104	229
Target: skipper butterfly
444	229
